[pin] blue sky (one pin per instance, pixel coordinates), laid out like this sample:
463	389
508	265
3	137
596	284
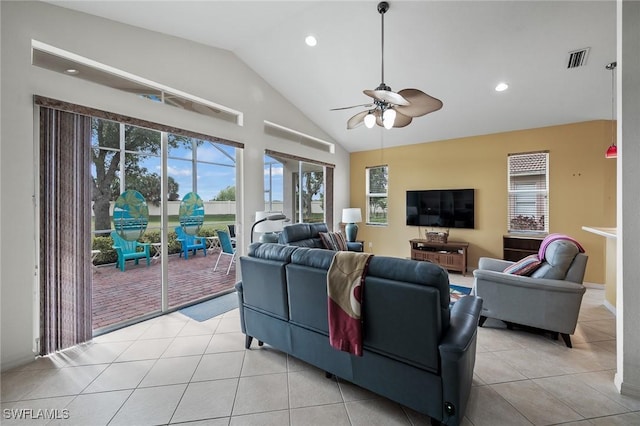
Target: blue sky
215	170
214	173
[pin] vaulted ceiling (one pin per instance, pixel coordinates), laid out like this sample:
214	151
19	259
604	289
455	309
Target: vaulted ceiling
457	51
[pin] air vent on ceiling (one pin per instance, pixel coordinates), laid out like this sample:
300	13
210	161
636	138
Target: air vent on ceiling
577	58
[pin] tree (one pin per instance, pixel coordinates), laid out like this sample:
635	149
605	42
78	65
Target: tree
147	184
106	134
313	183
378	181
227	194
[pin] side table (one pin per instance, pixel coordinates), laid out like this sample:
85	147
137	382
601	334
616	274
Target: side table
212	243
157	251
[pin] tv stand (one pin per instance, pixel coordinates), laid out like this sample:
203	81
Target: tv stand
451	255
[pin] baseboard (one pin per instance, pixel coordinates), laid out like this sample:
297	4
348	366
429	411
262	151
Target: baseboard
626	389
593	285
610	307
6	366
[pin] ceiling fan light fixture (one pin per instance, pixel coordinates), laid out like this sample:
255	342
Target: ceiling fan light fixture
388	118
370	120
409	103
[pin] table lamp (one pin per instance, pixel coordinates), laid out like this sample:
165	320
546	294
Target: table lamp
351	216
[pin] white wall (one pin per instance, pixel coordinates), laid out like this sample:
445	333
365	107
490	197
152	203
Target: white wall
207	72
628	285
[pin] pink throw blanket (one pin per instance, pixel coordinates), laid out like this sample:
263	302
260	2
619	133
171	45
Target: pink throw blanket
345	285
555	237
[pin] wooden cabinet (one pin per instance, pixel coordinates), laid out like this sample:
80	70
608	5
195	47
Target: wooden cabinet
516	247
451	255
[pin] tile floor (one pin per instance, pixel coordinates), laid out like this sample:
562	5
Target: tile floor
172	370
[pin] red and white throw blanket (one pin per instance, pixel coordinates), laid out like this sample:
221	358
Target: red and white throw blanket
555	237
345	288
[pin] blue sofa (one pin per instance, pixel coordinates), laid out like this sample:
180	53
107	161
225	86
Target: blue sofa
418	351
308	235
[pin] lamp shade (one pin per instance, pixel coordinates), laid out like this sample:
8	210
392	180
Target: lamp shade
612	152
370	120
388	118
269	221
352	215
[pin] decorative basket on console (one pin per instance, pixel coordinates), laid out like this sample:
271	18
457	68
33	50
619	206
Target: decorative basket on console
437	237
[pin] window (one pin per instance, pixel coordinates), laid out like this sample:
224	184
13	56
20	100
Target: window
528	189
377	183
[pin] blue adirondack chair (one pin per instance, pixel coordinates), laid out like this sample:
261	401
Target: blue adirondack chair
190	242
128	250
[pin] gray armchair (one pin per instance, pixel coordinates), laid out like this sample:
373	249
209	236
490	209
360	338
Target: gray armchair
549	299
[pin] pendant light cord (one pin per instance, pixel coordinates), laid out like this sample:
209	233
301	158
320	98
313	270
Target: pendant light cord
612	66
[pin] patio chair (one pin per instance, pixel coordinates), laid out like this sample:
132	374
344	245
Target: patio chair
232	234
190	242
226	249
128	250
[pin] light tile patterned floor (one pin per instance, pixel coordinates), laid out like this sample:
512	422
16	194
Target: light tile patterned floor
172	370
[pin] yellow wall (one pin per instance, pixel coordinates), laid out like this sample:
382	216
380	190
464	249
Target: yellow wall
582	187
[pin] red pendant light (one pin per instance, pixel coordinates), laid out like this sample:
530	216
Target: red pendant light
612	151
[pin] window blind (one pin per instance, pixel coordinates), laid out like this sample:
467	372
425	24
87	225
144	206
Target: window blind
528	192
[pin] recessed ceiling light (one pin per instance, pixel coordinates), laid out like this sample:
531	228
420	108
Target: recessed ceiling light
311	40
71	71
501	87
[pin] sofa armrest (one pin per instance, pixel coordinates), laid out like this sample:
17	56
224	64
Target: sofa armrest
490	264
240	293
463	325
458	358
483	277
355	246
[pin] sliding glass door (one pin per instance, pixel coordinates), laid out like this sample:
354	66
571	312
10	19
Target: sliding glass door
163	168
300	188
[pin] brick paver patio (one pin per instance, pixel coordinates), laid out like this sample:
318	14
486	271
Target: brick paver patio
120	296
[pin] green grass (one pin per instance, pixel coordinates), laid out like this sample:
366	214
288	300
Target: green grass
218	221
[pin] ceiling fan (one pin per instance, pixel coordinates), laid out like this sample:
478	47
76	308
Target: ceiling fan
390	109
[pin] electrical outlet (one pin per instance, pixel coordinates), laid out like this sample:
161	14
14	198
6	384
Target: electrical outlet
370	244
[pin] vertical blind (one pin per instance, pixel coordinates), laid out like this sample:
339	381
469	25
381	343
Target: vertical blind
528	192
65	230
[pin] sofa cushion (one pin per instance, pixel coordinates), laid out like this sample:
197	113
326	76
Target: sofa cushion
303	234
333	241
558	258
271	251
524	266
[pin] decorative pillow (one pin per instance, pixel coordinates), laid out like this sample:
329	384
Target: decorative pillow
524	266
333	241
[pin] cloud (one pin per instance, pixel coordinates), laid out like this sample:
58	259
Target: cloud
179	171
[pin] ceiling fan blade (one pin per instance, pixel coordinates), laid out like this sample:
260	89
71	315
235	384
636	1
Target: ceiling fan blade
357	120
401	120
420	103
353	106
387	96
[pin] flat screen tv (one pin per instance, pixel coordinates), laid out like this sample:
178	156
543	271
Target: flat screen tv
447	208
